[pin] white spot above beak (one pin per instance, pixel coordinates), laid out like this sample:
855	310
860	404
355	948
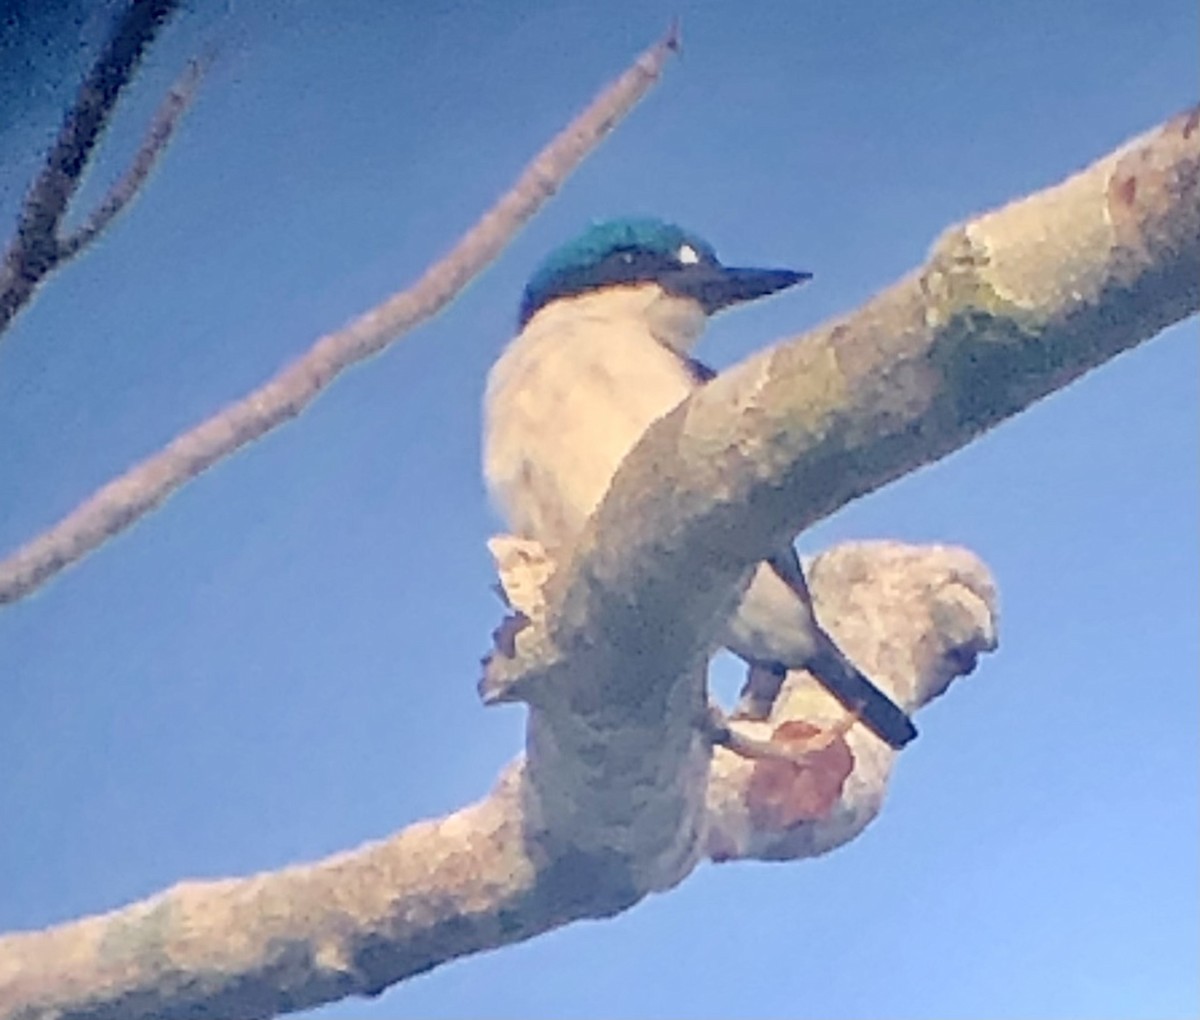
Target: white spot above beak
687	255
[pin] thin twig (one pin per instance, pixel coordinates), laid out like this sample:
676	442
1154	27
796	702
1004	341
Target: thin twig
143	487
36	250
125	189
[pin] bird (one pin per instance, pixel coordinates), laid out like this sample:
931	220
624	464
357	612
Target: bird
605	330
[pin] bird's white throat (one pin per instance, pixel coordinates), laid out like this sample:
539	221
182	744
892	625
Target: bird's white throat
675	322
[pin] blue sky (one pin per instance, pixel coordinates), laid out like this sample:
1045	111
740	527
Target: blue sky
280	663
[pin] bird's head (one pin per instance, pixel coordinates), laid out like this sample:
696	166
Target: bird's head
633	251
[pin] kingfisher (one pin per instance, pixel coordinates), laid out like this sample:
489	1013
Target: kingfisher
606	328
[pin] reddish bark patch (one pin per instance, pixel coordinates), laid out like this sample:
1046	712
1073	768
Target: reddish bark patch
782	794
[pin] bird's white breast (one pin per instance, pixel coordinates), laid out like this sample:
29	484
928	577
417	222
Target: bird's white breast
569	398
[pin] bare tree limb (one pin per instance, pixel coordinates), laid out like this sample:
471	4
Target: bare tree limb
121	502
617	795
488	875
37	250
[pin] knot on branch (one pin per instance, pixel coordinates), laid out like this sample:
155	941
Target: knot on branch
914	618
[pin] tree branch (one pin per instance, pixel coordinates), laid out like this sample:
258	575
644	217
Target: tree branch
121	502
617	795
127	186
491	874
1010	307
36	250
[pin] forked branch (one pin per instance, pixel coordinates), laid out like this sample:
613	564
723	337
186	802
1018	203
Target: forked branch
39	247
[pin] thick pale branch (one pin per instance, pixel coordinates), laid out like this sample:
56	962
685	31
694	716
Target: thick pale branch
37	249
1010	307
142	488
491	874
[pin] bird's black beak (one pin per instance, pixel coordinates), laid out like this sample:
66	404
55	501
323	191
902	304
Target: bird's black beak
717	287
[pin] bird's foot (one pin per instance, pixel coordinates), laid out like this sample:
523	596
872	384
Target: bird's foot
797	750
759	692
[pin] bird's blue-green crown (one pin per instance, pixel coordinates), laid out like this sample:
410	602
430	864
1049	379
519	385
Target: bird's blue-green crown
613	252
618	253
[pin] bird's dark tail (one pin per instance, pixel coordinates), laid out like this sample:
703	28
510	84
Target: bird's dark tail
838	675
